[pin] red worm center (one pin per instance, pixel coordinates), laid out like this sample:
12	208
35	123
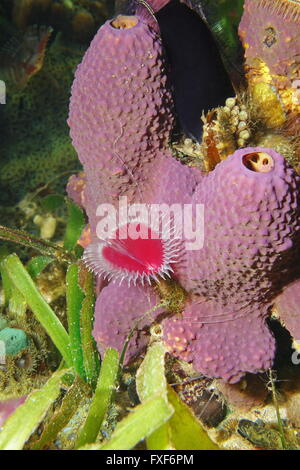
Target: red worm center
135	247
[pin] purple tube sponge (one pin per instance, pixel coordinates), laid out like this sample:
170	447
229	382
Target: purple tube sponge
121	115
250	242
120	119
120	111
120	99
118	310
269	30
251	203
251	223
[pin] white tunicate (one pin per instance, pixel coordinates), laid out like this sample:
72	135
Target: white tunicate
48	227
243	115
38	220
244	135
230	102
242	125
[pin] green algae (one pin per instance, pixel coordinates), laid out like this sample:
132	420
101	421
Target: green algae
31	158
3	322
